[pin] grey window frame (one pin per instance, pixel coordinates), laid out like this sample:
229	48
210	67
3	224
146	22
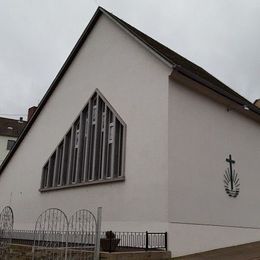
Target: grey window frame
88	163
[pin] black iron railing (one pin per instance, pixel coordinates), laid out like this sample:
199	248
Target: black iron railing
139	240
127	240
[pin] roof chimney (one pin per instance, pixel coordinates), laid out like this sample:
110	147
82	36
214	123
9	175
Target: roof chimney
31	112
257	103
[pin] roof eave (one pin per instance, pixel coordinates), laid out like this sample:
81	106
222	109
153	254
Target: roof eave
242	102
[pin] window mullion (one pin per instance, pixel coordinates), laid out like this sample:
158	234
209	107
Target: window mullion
93	171
113	147
70	167
63	161
44	175
55	172
87	144
123	150
48	173
91	141
80	146
104	144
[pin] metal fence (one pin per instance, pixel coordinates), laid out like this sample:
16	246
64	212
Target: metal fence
127	240
138	240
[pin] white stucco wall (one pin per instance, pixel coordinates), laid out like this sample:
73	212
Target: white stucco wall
3	147
202	133
135	82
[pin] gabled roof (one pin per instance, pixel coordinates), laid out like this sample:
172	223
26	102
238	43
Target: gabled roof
185	66
178	63
11	127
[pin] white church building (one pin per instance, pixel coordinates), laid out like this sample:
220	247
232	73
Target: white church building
160	144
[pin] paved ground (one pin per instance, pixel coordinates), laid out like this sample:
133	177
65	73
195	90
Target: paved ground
244	252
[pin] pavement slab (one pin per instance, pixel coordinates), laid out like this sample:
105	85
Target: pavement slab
249	251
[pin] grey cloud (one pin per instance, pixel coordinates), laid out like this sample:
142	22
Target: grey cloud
222	36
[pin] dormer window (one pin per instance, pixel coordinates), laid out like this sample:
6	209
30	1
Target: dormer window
92	151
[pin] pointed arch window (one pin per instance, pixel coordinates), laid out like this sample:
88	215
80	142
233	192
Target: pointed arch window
92	151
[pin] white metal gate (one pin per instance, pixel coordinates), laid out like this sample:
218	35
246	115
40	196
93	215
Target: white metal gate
6	229
50	235
56	238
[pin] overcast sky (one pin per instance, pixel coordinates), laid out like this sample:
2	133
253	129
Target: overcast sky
36	36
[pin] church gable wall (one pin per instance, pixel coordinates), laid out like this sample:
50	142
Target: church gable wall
135	83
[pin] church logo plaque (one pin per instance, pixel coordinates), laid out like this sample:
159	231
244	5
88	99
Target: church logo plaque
231	180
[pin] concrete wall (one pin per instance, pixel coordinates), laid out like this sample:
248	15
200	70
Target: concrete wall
135	82
202	133
3	146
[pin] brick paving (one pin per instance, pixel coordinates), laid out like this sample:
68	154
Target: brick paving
249	251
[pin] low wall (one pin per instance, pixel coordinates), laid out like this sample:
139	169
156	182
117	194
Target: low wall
24	252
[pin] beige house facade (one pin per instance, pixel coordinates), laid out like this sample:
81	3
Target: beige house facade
176	132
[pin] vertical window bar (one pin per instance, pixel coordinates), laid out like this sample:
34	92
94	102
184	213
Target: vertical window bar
45	175
98	139
55	172
113	147
123	150
91	140
106	144
103	140
75	150
51	170
80	148
90	137
120	151
94	138
110	145
87	142
48	174
70	159
61	151
117	148
65	160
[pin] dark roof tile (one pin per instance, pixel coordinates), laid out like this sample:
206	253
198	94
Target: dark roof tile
11	127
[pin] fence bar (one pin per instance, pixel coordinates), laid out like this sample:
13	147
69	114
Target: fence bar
110	241
98	233
146	240
166	241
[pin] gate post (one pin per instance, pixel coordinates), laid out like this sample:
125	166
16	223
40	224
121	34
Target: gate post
98	233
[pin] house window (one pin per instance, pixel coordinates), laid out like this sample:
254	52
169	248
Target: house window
91	152
10	144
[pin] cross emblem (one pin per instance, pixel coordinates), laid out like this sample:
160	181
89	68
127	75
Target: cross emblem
231	180
231	162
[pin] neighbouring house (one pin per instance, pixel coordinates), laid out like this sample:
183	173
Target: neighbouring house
10	129
156	141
